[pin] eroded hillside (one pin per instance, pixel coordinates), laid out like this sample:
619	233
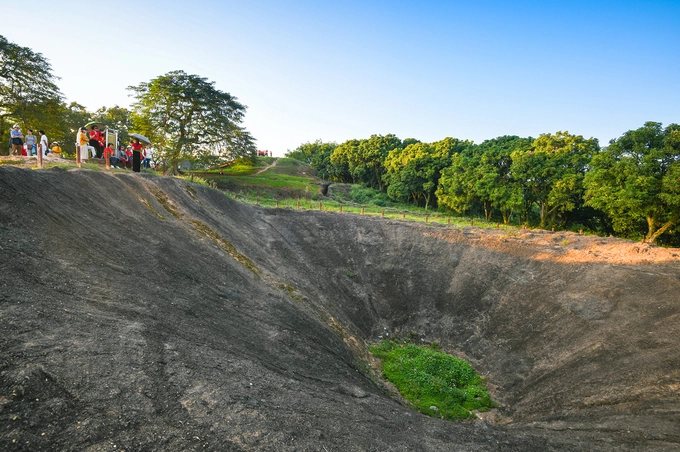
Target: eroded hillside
147	313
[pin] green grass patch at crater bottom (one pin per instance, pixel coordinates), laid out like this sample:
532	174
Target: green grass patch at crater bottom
436	384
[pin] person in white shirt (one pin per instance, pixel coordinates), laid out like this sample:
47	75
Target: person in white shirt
44	145
146	158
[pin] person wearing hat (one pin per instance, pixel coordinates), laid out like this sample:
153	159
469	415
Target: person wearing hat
17	140
56	149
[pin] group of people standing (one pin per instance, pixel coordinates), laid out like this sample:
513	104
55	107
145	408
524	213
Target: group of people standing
29	144
89	144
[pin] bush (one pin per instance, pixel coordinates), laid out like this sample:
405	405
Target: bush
437	384
364	195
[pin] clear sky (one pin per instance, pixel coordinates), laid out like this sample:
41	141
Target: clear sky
337	70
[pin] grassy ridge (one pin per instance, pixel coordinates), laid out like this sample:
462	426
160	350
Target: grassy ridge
288	183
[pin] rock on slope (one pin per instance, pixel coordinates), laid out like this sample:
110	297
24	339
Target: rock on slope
147	313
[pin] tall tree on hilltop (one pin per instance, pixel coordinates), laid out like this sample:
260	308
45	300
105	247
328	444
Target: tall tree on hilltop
186	118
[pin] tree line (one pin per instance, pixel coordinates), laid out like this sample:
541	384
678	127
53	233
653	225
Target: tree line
184	115
630	188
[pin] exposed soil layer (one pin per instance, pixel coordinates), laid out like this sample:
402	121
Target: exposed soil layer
146	313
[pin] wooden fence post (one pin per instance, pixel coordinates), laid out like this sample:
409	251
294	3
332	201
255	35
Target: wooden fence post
340	208
362	211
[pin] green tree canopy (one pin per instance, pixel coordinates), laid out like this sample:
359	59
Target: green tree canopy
413	172
551	172
187	118
494	184
28	92
479	178
636	180
365	158
318	155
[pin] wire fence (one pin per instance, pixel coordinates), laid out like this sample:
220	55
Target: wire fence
435	218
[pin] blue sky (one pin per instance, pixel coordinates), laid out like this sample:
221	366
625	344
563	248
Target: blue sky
335	71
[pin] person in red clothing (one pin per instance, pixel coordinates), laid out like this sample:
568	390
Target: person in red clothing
108	153
136	156
95	140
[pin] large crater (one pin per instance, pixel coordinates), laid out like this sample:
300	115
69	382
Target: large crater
147	313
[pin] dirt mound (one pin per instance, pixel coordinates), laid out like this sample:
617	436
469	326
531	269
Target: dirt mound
147	313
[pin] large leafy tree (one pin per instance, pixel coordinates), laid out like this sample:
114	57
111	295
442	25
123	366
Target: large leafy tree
413	172
409	171
494	184
479	178
187	118
365	158
28	92
456	189
342	155
551	172
636	180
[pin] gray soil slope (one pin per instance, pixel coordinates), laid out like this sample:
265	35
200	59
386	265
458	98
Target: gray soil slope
147	313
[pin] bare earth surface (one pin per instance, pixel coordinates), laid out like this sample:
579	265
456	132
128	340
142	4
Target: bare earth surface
146	313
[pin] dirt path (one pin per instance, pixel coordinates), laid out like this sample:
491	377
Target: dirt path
262	170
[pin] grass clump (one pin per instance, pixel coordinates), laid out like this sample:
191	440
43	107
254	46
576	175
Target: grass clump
369	196
226	245
437	384
195	179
